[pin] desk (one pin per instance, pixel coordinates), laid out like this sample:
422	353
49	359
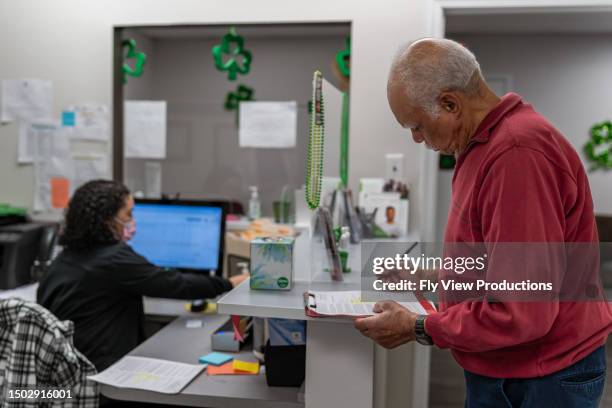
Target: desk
176	342
339	360
169	308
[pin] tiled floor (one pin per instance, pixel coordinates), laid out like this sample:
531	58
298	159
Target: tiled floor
447	388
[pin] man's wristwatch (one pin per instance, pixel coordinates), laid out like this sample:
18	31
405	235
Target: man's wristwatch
419	330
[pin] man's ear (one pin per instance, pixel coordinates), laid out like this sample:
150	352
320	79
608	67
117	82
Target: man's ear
449	102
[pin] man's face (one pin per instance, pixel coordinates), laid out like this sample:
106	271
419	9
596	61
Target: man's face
441	133
390	213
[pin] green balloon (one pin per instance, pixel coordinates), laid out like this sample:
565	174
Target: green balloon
242	93
343	57
239	59
129	52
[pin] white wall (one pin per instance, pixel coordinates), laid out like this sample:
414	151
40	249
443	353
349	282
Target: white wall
566	77
70	42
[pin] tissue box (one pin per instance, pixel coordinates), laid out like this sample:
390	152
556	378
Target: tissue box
272	263
287	332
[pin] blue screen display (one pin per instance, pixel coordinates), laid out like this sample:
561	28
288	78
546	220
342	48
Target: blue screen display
178	236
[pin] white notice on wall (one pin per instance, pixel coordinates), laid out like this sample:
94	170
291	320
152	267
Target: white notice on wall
90	122
25	147
28	133
25	99
89	167
145	129
53	166
153	179
268	124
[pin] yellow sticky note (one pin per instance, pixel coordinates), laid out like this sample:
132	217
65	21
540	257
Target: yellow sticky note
246	366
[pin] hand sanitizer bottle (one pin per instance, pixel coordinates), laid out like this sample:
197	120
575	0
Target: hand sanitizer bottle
254	205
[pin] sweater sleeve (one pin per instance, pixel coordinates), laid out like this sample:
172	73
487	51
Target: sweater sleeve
520	201
135	275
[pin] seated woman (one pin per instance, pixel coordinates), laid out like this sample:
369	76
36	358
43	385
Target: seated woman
98	280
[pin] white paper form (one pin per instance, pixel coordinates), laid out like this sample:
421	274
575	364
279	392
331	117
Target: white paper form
25	99
53	165
265	124
149	374
25	147
90	122
89	167
145	129
348	303
153	179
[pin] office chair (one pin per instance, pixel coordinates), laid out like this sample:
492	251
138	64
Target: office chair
47	251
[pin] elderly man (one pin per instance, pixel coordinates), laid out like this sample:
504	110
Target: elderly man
517	179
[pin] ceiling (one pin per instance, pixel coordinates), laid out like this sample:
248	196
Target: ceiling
530	23
249	30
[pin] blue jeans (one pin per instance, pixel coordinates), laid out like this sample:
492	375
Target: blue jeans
579	385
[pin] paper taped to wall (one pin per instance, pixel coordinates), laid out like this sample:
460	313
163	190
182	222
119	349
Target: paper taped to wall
89	121
53	165
145	129
25	99
265	124
25	147
89	167
153	179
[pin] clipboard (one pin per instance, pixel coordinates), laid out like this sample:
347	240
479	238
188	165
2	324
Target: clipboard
310	306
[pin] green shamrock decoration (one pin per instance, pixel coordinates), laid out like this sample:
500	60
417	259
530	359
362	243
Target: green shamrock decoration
140	59
343	59
233	99
599	148
239	59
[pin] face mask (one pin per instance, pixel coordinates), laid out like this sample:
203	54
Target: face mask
129	229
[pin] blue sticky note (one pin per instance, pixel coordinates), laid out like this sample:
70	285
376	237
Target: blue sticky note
216	359
68	118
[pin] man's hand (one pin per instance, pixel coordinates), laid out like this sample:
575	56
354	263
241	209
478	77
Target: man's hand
391	326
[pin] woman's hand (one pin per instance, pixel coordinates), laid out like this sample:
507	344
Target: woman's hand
238	279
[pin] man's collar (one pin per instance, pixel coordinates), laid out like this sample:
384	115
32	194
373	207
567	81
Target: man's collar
507	103
483	131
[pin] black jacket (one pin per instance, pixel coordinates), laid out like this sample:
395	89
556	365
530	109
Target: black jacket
101	291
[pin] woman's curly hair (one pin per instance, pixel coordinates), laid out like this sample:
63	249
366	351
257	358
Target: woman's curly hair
90	214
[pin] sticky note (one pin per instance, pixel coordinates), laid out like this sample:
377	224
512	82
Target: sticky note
68	118
216	359
60	192
193	324
225	369
246	366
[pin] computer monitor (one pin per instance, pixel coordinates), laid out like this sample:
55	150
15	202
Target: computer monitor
180	234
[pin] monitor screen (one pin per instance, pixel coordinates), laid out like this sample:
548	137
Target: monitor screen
179	236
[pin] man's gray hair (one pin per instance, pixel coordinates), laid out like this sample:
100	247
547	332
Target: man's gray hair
431	66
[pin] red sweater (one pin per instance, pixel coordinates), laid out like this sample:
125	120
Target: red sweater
519	180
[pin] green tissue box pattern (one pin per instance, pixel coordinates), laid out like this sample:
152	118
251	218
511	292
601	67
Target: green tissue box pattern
272	263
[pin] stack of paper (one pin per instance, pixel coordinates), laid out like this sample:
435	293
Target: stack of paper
149	374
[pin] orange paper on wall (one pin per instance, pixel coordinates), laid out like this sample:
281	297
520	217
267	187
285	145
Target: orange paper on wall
60	192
